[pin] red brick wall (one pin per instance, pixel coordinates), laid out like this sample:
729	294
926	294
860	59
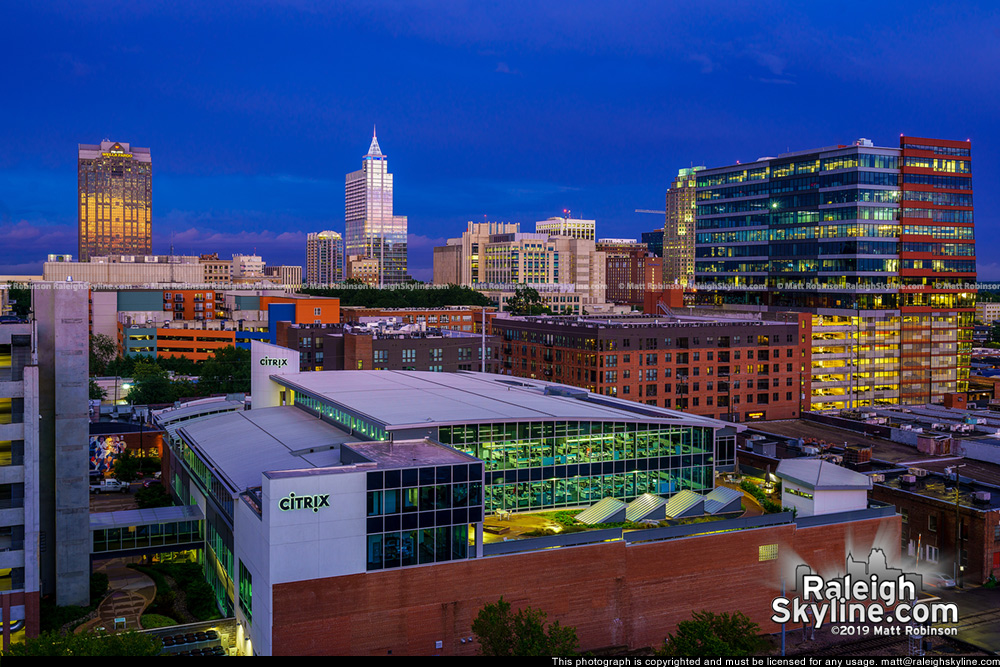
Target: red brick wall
612	594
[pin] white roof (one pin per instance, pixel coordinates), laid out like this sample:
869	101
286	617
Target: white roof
818	474
400	399
239	446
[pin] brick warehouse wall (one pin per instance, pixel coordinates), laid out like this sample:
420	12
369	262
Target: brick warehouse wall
612	594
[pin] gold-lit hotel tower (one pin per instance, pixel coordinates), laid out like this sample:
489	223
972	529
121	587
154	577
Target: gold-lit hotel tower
115	188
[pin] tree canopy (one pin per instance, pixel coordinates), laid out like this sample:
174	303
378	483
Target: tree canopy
227	372
709	635
87	644
103	350
526	301
413	295
502	633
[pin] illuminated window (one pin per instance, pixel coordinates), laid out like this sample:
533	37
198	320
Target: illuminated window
767	552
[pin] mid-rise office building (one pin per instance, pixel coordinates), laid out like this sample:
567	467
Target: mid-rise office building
324	258
114	200
216	271
631	271
373	231
876	243
578	228
285	274
568	271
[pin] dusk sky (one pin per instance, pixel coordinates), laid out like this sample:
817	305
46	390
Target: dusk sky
255	111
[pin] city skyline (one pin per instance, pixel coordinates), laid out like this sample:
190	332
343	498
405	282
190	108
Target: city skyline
491	118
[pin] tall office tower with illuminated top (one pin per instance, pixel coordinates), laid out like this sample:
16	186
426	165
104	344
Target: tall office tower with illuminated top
372	230
115	200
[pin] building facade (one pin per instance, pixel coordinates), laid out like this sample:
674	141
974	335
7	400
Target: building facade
115	186
385	346
736	369
44	526
324	258
366	500
631	271
876	243
575	227
373	231
679	229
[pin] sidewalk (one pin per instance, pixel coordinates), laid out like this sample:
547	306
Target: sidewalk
130	593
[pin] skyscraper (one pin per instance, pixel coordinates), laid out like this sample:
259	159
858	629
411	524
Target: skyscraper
115	200
324	258
877	243
372	230
678	230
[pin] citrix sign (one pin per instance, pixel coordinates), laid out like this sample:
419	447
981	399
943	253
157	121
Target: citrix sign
277	363
314	503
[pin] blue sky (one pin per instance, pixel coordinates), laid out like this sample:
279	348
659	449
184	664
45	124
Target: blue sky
514	111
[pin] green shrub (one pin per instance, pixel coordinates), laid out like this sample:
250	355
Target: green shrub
150	621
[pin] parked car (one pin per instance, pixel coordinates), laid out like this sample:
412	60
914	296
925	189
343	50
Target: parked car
109	486
939	580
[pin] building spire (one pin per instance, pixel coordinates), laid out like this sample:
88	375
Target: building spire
374	149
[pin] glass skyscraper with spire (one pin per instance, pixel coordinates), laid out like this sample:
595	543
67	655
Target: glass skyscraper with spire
372	230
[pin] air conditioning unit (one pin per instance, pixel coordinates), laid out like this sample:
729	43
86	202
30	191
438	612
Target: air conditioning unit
917	472
878	477
907	480
982	497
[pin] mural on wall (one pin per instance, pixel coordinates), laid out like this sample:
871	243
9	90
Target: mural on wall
104	451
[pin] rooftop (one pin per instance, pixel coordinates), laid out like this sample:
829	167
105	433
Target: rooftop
942	487
822	475
399	399
702	319
280	438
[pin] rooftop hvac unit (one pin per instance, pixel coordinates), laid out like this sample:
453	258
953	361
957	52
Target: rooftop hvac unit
908	480
906	427
982	497
917	472
918	429
878	477
810	450
756	436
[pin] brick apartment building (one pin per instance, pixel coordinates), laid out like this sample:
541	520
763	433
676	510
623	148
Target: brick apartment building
927	503
734	369
631	270
335	347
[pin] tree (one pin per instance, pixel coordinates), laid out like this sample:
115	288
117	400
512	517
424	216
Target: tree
96	392
501	633
87	644
103	350
709	635
526	301
126	466
228	371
